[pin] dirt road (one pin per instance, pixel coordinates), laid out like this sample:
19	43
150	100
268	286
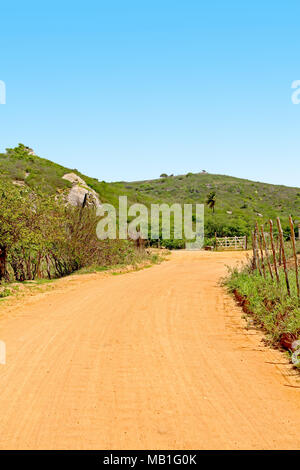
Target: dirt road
153	359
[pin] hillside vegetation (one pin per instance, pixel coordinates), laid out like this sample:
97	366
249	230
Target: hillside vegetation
238	202
41	236
45	176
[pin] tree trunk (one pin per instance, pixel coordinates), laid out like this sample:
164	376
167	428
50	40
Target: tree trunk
3	258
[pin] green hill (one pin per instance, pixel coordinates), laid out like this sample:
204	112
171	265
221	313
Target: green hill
22	167
239	202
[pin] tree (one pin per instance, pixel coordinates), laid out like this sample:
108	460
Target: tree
22	218
164	175
211	200
43	236
3	260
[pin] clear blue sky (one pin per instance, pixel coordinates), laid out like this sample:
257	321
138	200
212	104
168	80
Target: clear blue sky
126	90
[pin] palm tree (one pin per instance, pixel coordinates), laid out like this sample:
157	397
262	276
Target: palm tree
211	200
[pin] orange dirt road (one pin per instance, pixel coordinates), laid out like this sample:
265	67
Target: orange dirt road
153	359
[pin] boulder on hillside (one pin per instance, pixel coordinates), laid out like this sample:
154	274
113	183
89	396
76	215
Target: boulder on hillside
30	151
74	179
80	190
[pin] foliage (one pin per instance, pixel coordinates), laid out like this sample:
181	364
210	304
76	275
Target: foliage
42	236
267	302
238	205
211	200
173	244
239	200
4	293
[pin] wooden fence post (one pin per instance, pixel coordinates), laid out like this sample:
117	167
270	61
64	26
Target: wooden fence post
274	251
256	251
261	250
266	250
279	251
295	254
283	255
254	263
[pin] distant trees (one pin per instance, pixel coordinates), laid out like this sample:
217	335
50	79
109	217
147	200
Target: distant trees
226	228
211	200
164	175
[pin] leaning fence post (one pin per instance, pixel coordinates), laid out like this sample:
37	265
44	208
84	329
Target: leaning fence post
283	255
261	250
274	251
279	251
295	254
266	250
256	251
254	261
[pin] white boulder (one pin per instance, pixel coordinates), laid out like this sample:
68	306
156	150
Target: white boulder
80	190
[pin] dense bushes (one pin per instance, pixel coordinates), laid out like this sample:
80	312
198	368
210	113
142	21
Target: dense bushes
43	237
225	228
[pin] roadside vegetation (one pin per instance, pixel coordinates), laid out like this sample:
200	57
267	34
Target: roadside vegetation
43	237
269	302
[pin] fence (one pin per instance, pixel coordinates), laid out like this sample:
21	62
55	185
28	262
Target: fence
233	243
266	259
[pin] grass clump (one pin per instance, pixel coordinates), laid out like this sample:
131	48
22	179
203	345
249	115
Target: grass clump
5	292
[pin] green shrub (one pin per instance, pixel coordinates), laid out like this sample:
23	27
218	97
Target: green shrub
4	293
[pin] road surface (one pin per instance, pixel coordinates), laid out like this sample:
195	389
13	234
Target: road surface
153	359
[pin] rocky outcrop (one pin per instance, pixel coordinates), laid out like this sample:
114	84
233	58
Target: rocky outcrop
30	151
80	190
